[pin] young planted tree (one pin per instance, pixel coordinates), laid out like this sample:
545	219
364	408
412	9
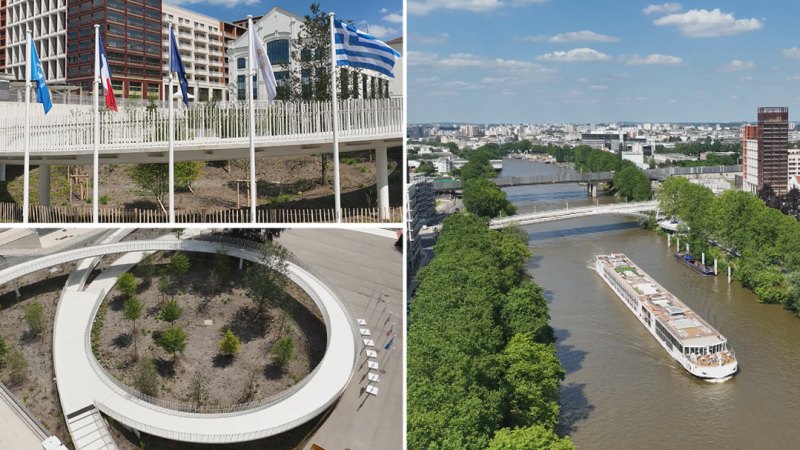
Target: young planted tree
127	284
170	311
146	269
172	340
153	179
34	317
132	310
145	377
265	282
230	344
283	351
179	264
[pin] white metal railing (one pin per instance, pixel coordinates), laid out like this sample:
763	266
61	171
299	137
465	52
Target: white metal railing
69	128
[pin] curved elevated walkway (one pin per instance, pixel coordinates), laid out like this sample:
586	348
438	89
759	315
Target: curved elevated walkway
84	385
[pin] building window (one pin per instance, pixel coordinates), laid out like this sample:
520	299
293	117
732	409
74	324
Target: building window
282	77
278	51
241	88
241	63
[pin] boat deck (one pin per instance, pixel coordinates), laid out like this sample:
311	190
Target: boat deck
686	326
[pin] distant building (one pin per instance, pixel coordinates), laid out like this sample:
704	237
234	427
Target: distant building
766	156
794	162
750	158
202	46
421	209
48	21
132	35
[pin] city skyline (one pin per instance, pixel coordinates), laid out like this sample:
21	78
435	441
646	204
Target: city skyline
384	18
557	61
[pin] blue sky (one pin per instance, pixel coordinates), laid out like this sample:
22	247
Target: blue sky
383	16
599	61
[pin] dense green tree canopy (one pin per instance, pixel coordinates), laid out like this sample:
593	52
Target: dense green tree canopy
463	375
484	198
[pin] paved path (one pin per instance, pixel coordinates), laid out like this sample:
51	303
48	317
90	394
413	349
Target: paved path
17	430
83	384
353	261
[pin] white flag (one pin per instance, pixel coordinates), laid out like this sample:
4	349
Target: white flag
264	66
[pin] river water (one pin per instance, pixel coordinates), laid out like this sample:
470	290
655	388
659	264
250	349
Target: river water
622	390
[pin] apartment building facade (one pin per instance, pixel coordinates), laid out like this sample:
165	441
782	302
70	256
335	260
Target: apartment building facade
47	19
201	41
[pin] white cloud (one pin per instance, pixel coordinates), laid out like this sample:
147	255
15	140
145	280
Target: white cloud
583	80
422	7
384	10
793	53
393	18
663	8
438	39
421	58
703	23
380	32
794	78
653	58
738	66
572	36
458	60
575	55
598	87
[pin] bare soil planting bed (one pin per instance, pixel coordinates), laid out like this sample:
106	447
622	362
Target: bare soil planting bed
38	391
227	379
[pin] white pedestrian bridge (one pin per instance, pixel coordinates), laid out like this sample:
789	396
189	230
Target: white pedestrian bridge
85	387
206	132
633	208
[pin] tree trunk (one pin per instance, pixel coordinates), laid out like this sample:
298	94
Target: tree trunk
135	348
324	161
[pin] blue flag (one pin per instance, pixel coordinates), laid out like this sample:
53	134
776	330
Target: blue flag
37	75
358	49
176	65
388	344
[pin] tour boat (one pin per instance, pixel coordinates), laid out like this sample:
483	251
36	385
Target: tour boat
689	339
690	261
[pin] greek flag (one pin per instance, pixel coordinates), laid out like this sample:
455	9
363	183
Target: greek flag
358	49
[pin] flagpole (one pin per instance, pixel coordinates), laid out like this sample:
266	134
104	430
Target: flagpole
251	70
96	113
26	175
335	109
171	162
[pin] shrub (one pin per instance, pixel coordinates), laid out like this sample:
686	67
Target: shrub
283	351
179	264
3	350
146	378
17	367
34	317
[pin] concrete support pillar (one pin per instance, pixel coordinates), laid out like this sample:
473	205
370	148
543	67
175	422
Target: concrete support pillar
2	172
592	189
44	184
382	161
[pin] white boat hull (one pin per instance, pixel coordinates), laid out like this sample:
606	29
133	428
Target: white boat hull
710	372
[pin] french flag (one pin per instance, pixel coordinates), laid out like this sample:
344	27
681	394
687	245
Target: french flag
105	76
